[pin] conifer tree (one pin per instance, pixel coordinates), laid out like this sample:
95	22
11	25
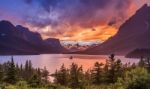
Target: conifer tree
115	69
76	76
28	70
63	73
35	81
11	74
141	62
1	73
97	73
111	69
45	75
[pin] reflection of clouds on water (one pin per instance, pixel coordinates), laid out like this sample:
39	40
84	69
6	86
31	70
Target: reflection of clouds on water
54	61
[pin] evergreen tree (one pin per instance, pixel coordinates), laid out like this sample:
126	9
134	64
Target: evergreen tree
141	62
115	69
97	73
62	76
119	71
45	75
147	63
21	72
1	73
28	70
76	76
63	73
87	77
35	81
111	69
11	74
56	77
26	74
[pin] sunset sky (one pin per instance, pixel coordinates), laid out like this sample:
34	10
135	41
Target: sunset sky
77	20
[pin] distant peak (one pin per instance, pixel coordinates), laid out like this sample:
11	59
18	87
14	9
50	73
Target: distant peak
144	9
145	6
5	21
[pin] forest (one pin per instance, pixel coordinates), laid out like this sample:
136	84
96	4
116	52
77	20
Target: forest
111	75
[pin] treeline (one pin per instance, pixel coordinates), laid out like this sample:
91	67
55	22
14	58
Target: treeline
11	73
110	75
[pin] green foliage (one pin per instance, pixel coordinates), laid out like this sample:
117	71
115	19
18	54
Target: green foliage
113	69
76	76
21	85
1	74
97	73
10	87
143	82
11	73
141	62
112	75
61	76
44	74
135	79
35	81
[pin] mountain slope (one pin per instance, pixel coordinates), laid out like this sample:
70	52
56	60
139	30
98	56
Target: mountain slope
133	34
20	40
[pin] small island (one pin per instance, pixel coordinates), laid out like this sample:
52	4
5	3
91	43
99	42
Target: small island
138	53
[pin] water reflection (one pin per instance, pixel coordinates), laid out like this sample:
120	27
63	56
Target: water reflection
54	61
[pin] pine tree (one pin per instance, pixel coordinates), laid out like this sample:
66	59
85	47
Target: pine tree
111	70
87	77
147	64
115	69
97	73
45	75
1	73
28	70
35	81
11	74
141	62
76	76
62	76
119	71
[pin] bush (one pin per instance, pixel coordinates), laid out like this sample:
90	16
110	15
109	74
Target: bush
142	82
11	87
21	85
137	78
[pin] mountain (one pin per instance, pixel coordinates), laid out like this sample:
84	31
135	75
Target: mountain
54	45
20	40
26	34
133	34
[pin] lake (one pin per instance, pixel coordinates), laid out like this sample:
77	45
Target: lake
54	61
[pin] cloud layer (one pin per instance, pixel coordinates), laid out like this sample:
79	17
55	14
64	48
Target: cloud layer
67	19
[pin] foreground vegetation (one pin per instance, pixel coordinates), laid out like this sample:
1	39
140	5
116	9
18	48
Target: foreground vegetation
111	75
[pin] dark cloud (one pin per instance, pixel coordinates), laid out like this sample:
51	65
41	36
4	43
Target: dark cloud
112	22
86	13
67	17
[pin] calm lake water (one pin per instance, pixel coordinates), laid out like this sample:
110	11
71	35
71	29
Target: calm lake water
54	61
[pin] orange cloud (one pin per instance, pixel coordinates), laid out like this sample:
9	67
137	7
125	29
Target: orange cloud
104	24
100	33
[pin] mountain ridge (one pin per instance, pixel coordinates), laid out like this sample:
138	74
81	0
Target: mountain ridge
20	40
132	34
